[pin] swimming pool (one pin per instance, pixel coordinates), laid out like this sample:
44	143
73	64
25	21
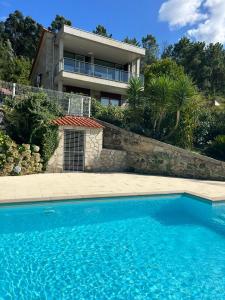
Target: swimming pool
168	247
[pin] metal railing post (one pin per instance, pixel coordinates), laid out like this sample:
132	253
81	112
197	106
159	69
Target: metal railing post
89	107
82	106
14	90
68	112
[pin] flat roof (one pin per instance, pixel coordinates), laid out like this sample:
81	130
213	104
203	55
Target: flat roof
101	39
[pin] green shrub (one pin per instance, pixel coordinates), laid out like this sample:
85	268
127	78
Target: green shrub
111	114
49	143
217	148
28	121
17	159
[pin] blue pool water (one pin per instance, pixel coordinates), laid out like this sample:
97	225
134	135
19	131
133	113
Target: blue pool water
170	247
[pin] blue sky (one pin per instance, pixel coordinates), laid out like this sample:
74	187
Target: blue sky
121	17
167	20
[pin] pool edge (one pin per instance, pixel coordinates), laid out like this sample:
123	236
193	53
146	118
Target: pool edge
30	200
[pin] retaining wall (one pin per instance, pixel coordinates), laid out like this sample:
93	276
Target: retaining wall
149	156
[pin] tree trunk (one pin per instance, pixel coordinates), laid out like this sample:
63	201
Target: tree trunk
176	125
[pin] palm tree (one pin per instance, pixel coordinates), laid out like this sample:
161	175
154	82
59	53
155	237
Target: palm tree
183	90
135	92
160	91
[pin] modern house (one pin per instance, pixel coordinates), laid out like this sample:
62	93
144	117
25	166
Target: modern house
81	62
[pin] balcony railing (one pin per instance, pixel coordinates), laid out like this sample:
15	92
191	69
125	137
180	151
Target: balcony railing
98	71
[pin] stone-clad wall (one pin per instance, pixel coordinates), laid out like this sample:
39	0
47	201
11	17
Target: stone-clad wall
111	161
149	156
96	158
93	148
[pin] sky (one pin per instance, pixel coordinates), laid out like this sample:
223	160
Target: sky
167	20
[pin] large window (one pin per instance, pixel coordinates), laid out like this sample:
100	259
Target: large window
110	101
74	62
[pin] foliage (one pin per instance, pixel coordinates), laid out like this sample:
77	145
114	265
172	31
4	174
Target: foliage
160	92
12	68
163	67
167	109
6	61
101	30
184	135
183	91
57	24
49	143
211	124
135	92
28	120
111	114
18	159
152	49
131	41
217	148
204	63
21	73
22	32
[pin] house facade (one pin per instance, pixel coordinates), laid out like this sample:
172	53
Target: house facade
80	62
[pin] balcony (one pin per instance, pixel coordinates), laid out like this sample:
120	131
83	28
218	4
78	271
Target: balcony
97	71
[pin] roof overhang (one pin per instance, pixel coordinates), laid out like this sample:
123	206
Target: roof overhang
88	43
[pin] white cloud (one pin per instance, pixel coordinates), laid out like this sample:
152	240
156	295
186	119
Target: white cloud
208	26
213	29
179	13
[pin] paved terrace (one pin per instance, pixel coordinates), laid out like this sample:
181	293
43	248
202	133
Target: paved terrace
43	187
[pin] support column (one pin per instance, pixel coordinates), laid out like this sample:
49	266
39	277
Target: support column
133	68
138	67
60	85
61	55
129	71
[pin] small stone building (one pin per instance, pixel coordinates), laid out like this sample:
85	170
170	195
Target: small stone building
80	145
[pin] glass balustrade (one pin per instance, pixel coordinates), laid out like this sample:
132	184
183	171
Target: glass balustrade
84	68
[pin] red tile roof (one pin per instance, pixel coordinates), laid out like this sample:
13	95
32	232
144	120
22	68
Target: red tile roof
77	121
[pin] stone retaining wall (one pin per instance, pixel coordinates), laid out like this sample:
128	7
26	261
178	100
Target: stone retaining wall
111	161
149	156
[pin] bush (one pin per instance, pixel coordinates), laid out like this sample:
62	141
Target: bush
28	120
18	159
111	114
49	143
217	148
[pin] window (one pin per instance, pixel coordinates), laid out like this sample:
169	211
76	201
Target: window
75	56
105	101
114	102
109	101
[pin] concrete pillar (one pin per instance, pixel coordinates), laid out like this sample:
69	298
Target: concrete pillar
129	71
138	66
133	67
60	86
61	54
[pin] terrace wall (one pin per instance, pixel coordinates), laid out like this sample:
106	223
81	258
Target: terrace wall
149	156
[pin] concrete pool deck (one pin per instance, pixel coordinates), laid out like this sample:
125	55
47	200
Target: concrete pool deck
44	187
